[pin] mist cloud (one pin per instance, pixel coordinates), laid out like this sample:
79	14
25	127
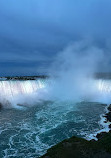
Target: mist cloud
74	70
48	27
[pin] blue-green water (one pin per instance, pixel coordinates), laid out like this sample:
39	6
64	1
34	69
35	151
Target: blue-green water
29	132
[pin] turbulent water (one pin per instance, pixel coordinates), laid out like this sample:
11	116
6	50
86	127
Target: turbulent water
29	132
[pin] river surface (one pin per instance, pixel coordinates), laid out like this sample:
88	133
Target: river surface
29	132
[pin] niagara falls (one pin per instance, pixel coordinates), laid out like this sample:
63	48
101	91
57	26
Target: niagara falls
31	114
55	79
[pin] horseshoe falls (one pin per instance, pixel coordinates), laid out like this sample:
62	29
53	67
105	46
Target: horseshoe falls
31	121
15	92
104	86
13	88
104	90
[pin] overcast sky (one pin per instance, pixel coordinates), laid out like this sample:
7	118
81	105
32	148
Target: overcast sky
32	32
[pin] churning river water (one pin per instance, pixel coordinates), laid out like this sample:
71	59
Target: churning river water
28	132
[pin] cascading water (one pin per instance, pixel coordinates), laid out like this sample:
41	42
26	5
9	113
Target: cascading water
104	85
29	133
13	91
13	88
104	90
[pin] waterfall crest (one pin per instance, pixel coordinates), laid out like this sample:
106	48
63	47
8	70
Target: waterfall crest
26	92
14	92
104	85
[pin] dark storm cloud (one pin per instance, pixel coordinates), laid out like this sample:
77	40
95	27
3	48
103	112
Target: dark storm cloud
33	31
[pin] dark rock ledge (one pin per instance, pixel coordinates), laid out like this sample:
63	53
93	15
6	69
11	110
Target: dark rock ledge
80	148
23	77
108	115
1	106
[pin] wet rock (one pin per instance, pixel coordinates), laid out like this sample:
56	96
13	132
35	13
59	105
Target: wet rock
92	140
81	148
108	116
101	135
109	108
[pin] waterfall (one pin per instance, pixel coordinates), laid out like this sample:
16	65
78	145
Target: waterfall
27	92
104	85
17	92
103	90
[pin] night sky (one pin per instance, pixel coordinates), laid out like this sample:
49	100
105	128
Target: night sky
33	32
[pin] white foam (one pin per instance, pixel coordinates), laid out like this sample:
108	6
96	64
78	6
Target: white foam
104	123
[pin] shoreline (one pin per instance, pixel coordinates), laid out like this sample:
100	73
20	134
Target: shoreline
99	144
104	122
